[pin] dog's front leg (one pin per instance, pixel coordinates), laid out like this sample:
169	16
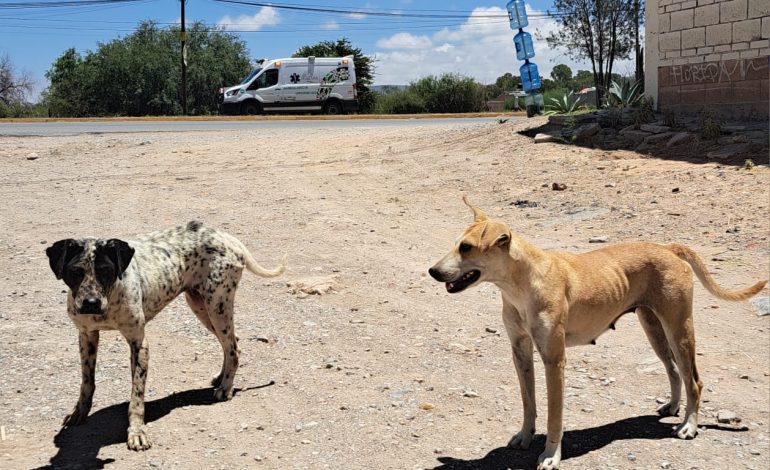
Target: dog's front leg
89	343
521	344
551	344
140	356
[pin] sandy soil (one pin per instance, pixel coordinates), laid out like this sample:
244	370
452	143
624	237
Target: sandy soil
384	369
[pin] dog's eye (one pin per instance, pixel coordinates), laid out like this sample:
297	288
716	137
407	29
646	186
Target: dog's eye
464	248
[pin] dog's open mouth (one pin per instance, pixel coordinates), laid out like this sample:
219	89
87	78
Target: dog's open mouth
461	284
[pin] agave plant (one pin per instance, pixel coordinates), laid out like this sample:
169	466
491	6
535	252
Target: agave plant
568	103
625	93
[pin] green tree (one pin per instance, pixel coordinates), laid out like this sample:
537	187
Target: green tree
508	82
364	66
141	73
598	30
583	79
562	75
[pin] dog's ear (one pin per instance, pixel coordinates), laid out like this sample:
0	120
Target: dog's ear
503	240
478	214
120	253
61	253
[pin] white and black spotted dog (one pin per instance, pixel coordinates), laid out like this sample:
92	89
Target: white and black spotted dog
121	285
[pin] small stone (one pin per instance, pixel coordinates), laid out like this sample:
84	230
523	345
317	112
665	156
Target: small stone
675	190
754	452
470	393
438	450
587	409
654	128
665	464
33	156
259	458
558	186
155	463
761	305
541	138
305	441
727	417
427	406
660	400
490	330
601	239
679	139
632	457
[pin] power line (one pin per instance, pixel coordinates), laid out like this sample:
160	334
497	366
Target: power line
369	11
60	4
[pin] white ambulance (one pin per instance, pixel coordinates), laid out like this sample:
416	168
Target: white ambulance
326	84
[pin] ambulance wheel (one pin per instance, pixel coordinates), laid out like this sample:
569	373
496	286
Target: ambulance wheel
333	108
251	108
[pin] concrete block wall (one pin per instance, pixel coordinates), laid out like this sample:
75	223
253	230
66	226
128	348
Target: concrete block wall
704	52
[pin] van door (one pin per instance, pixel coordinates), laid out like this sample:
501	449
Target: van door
298	88
265	87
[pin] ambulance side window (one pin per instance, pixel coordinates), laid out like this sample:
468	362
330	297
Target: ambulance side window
267	79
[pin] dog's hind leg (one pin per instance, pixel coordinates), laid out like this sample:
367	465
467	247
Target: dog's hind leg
521	344
198	306
678	325
657	337
220	306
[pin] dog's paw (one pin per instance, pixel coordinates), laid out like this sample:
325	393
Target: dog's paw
687	430
138	440
77	417
220	394
669	409
522	440
549	460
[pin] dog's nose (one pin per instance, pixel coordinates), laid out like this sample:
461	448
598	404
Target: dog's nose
91	306
434	273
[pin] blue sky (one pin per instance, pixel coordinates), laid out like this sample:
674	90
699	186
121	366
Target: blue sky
473	44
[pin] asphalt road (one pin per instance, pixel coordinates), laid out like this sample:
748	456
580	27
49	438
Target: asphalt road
108	127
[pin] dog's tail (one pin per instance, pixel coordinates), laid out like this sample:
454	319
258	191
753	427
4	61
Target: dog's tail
708	282
251	263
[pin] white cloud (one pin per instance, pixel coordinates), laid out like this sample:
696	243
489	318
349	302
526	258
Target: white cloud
330	25
405	41
266	16
481	47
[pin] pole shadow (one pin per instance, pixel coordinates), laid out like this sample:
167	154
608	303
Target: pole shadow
79	446
574	444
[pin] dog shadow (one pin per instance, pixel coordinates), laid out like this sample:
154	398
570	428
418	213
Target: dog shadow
79	446
574	444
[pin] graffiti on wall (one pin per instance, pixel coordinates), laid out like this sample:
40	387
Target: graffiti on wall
718	72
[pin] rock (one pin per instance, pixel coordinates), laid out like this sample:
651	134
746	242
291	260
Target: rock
665	464
680	138
728	151
655	129
490	330
426	406
468	393
761	305
558	186
632	457
541	138
313	286
584	133
727	417
601	239
33	156
656	139
524	203
634	136
587	409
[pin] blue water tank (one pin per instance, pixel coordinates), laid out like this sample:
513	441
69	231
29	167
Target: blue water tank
524	47
517	14
530	77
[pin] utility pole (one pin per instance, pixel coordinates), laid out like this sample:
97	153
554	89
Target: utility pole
183	37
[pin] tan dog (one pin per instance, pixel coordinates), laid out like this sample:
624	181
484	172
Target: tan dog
554	300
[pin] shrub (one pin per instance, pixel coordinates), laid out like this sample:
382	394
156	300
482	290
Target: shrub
709	125
399	102
625	93
565	104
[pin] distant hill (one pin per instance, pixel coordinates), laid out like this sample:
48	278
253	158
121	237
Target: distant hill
387	89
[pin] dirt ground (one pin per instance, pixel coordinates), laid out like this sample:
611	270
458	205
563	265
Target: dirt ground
383	369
